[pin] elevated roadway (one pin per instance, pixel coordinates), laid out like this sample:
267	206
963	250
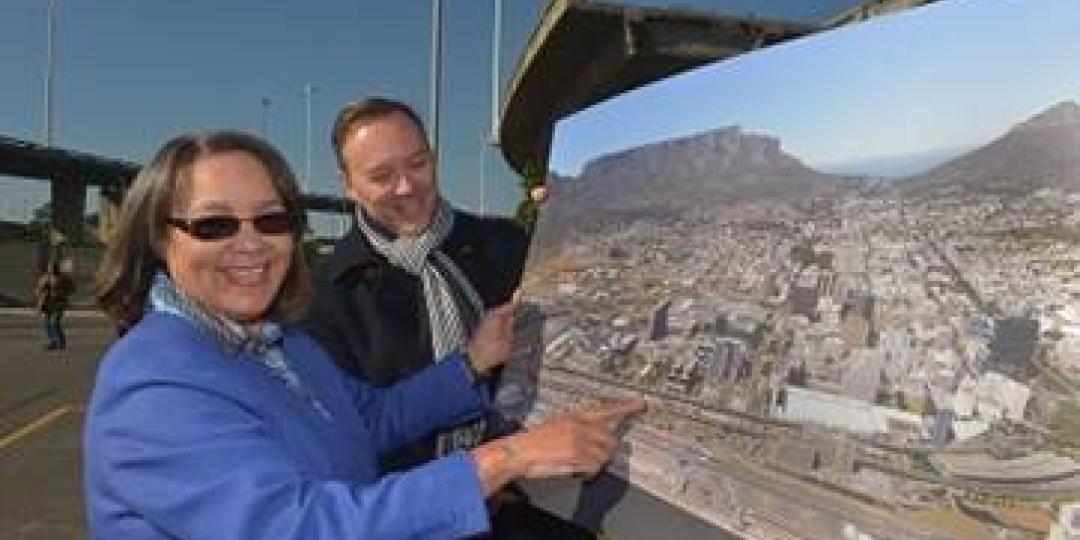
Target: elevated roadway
69	172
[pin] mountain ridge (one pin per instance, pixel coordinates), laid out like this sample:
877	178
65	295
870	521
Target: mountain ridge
1041	152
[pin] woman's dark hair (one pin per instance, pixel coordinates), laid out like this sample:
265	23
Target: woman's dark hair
132	254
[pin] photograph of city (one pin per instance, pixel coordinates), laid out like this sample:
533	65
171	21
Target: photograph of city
854	318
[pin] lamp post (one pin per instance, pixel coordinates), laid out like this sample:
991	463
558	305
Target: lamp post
433	83
490	139
496	45
50	71
309	89
483	174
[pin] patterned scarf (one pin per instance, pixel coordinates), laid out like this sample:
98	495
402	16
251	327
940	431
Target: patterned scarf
453	305
264	343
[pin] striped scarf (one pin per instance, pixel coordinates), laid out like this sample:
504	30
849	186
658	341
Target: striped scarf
453	305
264	344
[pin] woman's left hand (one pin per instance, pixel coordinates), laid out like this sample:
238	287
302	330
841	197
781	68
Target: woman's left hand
493	342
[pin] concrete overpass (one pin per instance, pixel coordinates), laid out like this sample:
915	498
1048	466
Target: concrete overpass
583	52
69	172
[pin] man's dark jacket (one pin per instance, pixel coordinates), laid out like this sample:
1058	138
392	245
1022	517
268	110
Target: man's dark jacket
371	316
372	319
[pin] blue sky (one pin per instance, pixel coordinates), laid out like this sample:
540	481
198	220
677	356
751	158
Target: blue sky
131	73
883	97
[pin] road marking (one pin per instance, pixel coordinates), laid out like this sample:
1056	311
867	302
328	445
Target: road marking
35	425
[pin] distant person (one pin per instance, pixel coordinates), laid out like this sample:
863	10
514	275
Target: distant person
214	416
409	282
53	291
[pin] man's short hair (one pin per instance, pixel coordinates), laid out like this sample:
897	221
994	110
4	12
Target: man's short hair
366	111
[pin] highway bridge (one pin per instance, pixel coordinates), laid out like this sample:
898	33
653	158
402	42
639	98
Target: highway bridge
70	172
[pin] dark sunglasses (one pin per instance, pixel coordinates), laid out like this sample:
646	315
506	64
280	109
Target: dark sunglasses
221	227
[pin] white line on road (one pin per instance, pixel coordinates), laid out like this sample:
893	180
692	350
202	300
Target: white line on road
33	426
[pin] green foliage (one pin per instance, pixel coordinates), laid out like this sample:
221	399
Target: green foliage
531	176
527	209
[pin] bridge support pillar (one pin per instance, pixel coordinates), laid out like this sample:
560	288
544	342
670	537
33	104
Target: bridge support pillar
68	196
108	210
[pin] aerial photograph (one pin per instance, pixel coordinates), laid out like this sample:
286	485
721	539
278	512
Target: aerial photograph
845	274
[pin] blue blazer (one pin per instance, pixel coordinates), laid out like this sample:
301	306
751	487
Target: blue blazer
183	441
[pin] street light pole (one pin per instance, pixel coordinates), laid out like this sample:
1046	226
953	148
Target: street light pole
309	89
433	83
490	139
496	43
483	175
50	71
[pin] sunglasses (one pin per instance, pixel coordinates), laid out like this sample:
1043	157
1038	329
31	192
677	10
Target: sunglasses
211	228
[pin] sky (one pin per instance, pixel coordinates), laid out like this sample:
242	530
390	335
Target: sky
890	97
131	73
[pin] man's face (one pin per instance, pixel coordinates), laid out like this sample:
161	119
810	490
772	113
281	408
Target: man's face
390	172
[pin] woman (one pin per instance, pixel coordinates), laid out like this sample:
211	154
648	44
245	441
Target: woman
53	291
214	417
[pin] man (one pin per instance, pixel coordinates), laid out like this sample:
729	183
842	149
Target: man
411	279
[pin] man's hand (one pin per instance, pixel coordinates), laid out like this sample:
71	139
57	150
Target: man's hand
493	342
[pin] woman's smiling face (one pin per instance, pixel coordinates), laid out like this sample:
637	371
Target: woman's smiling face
239	276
